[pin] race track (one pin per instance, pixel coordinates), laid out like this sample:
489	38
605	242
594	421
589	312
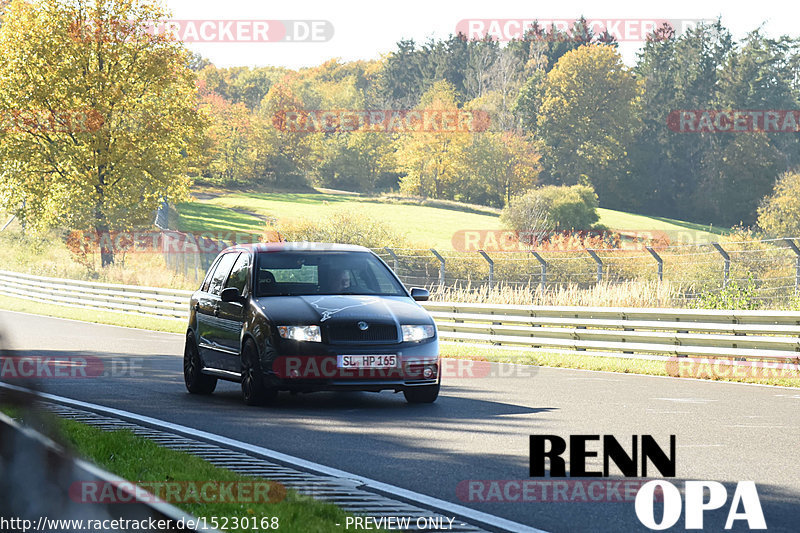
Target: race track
477	430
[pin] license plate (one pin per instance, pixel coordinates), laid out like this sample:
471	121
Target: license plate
366	361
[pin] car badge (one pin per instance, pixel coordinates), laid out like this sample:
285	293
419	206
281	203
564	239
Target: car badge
363	326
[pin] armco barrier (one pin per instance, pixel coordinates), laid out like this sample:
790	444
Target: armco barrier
768	335
37	475
170	304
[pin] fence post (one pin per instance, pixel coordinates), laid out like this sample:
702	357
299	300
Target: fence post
395	259
543	281
659	261
727	268
162	215
491	267
10	220
796	250
441	266
599	264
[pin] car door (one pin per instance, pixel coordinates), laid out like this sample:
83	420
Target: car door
232	314
208	310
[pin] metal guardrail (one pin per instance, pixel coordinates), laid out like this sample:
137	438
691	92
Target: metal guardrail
771	335
37	481
170	304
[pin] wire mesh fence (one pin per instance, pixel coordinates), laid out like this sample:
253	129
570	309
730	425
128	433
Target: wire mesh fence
765	272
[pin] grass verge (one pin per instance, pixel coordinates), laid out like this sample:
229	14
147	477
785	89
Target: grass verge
142	461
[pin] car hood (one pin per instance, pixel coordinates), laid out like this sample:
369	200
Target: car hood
323	309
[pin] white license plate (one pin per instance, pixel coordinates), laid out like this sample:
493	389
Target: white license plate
366	361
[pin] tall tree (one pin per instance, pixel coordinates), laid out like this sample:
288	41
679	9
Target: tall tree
59	58
678	73
587	119
434	161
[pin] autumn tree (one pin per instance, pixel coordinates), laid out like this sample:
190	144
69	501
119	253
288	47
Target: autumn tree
502	165
113	106
231	145
587	120
779	213
434	161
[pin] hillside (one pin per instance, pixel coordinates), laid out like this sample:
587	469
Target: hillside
428	225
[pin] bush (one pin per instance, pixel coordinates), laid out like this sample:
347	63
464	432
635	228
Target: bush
733	296
779	214
342	227
552	208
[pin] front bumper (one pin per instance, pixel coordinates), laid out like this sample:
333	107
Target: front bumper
315	367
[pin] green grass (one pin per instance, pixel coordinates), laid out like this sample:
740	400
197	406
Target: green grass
88	315
142	461
204	216
677	230
427	225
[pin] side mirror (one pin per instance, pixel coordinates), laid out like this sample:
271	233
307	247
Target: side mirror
420	295
231	294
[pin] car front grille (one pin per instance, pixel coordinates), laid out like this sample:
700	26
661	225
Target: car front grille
350	332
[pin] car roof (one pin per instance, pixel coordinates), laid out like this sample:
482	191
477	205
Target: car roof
267	247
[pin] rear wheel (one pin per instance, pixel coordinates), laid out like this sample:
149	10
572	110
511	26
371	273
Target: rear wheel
422	394
196	381
254	392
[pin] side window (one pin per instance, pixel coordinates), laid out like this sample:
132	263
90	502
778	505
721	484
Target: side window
209	275
239	274
221	273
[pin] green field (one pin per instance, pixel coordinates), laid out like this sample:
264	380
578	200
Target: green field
428	226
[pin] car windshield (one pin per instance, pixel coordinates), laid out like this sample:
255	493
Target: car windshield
308	273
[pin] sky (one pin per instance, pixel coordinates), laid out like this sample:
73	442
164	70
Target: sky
352	30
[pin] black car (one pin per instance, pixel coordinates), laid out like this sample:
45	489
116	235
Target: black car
306	317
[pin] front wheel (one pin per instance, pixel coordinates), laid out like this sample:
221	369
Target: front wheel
422	394
196	381
254	392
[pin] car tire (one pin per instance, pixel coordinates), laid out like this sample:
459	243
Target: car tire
196	381
422	394
254	391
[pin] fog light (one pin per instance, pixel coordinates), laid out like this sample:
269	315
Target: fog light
427	373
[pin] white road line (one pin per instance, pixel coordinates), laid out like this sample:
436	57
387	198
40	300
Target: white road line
755	426
686	400
435	503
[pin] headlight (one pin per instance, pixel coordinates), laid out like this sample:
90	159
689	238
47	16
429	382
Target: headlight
417	333
300	333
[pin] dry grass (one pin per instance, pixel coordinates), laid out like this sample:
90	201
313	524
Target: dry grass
48	255
623	294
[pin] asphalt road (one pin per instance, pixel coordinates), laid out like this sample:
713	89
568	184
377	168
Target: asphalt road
478	429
